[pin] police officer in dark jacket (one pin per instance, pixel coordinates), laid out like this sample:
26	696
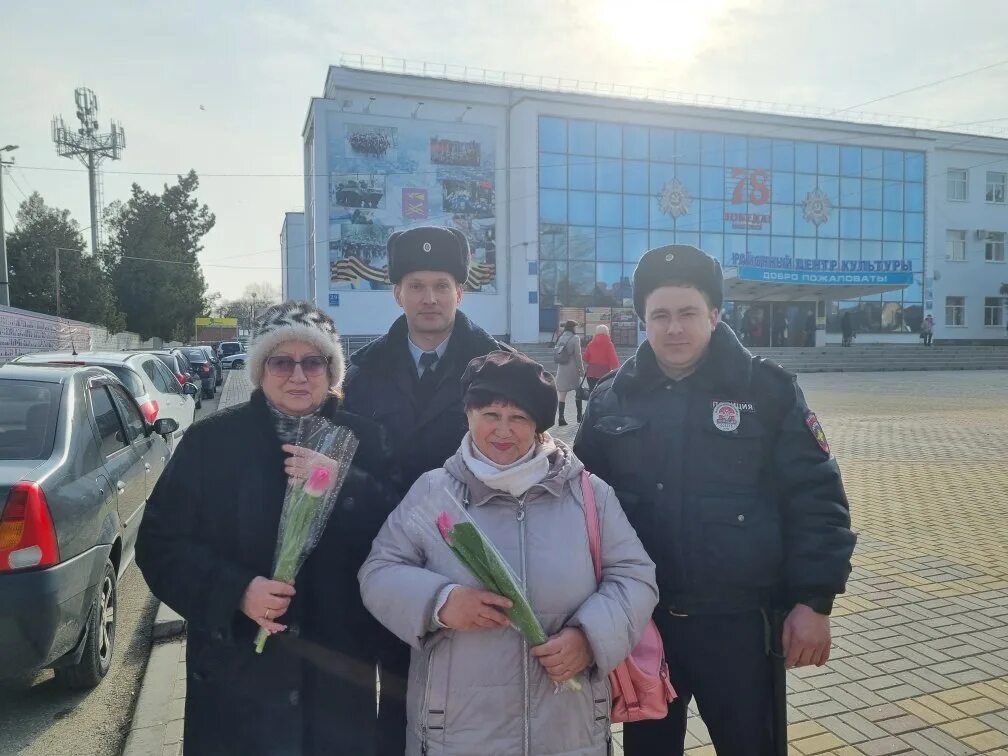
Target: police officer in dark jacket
409	381
728	478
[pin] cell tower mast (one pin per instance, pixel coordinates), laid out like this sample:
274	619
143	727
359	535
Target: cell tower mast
90	147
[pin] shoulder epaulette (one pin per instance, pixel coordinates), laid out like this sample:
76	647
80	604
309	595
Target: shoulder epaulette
776	369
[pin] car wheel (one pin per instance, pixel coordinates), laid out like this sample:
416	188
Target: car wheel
238	365
100	641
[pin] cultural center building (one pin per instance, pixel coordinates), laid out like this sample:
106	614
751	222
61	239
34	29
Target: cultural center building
561	186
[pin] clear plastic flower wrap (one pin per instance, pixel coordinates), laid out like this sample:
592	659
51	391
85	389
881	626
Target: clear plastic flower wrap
307	505
477	552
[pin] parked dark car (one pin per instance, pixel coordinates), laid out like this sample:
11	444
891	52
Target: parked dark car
77	463
211	353
183	371
204	369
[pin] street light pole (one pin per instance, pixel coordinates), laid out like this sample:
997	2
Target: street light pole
4	269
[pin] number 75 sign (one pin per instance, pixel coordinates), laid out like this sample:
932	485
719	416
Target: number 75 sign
750	185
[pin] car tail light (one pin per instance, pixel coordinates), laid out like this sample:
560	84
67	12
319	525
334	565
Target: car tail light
149	410
27	536
182	378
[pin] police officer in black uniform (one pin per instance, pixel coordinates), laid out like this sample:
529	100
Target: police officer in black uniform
409	381
728	478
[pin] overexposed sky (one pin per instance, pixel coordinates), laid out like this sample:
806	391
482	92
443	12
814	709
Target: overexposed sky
253	66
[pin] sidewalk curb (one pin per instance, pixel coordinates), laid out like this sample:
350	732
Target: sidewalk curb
156	729
167	624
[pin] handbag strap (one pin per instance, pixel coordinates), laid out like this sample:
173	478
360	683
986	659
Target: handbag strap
626	687
592	524
621	673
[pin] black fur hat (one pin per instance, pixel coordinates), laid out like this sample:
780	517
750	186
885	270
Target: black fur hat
428	248
677	263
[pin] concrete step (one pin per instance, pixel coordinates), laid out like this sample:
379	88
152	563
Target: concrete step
858	358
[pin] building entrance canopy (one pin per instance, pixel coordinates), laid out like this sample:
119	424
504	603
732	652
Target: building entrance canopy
794	280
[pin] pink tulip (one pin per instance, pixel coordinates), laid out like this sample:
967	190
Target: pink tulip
444	524
318	481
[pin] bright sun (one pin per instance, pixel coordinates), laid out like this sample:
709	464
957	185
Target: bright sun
669	29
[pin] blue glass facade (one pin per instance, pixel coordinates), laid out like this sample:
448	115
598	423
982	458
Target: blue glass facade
608	192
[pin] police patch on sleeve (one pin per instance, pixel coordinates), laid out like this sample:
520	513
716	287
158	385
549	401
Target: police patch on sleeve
816	429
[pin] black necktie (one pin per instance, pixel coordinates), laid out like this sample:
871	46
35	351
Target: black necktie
428	378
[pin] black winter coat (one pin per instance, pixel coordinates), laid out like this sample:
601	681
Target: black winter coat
727	478
381	384
209	529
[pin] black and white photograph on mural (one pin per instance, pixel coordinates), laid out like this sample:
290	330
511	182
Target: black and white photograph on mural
371	141
364	241
358	254
357	190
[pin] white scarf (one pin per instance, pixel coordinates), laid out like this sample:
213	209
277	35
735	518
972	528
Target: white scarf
515	478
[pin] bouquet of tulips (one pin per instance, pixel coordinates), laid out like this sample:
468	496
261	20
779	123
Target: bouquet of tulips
307	507
487	565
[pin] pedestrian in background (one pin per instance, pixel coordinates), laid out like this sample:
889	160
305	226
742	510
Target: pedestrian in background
846	329
475	685
728	479
409	382
780	327
600	357
746	327
810	329
570	369
207	542
927	330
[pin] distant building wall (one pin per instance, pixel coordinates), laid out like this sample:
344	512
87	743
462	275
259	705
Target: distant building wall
294	257
25	332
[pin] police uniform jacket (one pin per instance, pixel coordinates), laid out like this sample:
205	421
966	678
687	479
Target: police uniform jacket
727	477
381	383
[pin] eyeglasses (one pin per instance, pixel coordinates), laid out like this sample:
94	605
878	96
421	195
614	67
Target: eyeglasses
283	367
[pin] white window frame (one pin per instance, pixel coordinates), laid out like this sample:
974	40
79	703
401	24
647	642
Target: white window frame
997	187
994	247
951	309
955	241
957	179
994	313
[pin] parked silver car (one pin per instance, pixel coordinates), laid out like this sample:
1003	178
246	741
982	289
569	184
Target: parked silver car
234	361
77	463
155	388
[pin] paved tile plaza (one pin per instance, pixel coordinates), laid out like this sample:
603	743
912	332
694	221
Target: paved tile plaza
920	658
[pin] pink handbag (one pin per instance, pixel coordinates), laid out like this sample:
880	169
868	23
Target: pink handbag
640	684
